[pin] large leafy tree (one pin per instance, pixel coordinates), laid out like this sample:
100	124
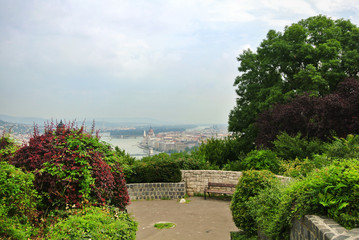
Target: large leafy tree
313	55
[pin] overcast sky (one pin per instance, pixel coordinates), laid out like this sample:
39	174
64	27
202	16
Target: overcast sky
173	60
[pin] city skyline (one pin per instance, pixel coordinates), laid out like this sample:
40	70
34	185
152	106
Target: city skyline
169	60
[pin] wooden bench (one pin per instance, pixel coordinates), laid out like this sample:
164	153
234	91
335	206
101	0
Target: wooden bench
215	188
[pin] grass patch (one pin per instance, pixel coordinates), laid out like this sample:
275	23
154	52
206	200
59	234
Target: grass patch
242	236
164	225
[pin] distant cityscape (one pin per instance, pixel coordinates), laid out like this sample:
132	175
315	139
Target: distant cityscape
179	141
160	138
20	132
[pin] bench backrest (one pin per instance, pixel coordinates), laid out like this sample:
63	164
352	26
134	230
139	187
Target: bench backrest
212	184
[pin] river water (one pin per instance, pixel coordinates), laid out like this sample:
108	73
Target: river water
130	145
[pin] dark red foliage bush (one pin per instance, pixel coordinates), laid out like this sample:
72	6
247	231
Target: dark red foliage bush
313	117
72	168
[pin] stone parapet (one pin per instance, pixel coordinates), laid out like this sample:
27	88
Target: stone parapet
312	227
140	191
197	180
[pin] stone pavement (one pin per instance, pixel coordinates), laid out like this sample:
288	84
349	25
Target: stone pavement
209	219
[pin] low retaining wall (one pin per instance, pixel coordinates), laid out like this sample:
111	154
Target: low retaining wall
197	180
313	227
139	191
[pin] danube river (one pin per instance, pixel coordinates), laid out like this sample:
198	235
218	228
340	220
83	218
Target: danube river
130	145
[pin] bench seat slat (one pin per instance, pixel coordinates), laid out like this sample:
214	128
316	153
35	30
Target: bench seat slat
211	184
216	190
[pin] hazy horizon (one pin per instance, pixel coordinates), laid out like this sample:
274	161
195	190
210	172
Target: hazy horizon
169	60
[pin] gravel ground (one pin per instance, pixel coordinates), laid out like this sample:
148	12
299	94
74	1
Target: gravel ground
199	219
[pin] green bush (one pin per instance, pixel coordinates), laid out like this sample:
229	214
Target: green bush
331	191
249	185
301	168
270	211
218	152
233	166
343	147
191	161
18	200
95	223
290	148
261	160
163	167
8	147
242	236
155	170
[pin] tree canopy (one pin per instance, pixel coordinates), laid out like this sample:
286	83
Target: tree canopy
313	55
314	117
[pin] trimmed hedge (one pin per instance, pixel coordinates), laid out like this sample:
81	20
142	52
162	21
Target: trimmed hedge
161	170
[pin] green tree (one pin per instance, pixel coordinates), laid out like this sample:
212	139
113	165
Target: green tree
219	152
313	55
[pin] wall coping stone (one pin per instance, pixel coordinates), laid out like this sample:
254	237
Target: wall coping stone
312	227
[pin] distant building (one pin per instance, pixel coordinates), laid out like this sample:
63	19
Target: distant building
147	137
151	133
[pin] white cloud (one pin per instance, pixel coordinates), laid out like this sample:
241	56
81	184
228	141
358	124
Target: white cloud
132	52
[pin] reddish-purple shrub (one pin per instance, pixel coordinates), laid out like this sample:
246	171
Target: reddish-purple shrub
73	168
313	117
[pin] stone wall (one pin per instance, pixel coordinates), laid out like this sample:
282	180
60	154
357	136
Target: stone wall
139	191
313	227
197	180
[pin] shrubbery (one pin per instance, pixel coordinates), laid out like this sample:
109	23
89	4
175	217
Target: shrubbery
343	147
72	167
269	209
296	147
301	168
61	172
218	152
18	200
261	160
164	167
95	223
155	170
249	185
191	161
332	191
8	146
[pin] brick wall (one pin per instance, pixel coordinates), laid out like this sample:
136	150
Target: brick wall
139	191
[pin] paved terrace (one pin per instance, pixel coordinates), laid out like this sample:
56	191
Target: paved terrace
209	219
